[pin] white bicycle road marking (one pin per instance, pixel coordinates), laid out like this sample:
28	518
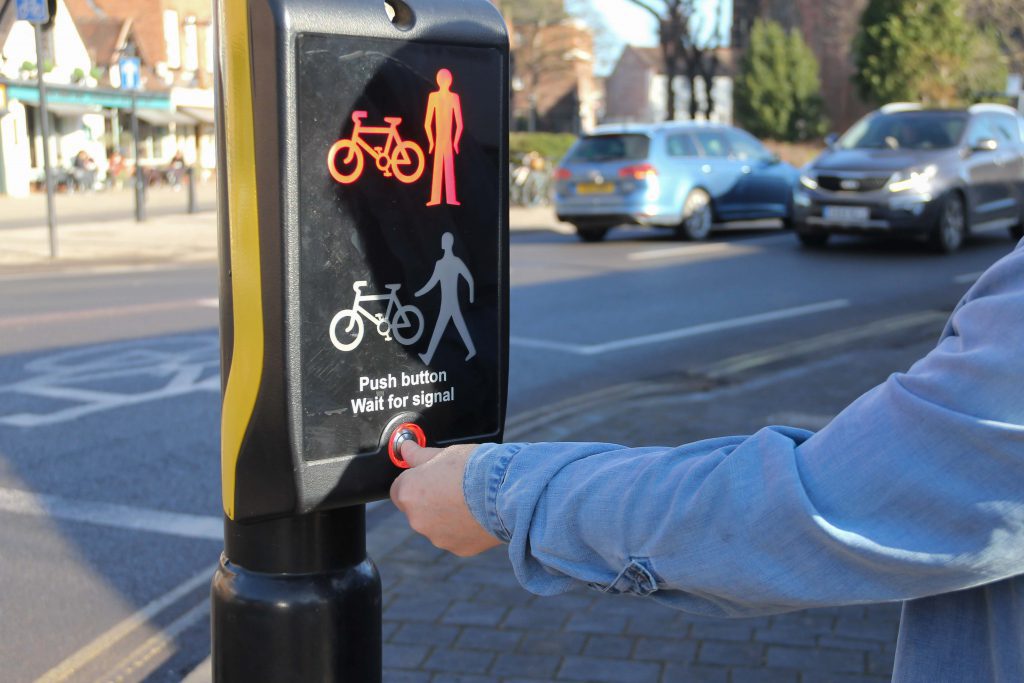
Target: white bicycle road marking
967	278
682	333
84	377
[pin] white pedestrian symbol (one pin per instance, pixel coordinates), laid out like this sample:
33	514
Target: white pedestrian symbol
447	271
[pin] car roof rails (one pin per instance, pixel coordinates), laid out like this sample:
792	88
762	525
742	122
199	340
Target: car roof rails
894	107
991	107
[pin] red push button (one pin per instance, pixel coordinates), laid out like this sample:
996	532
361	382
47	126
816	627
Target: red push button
402	433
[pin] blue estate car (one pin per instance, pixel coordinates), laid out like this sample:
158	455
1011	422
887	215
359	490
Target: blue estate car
684	176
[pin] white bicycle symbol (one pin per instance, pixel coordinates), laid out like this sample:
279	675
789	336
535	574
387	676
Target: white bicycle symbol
405	322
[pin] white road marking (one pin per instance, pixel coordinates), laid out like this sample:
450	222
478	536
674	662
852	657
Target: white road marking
104	642
682	333
204	527
176	366
967	278
209	303
687	250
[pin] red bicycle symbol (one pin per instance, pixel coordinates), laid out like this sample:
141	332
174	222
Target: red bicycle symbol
402	158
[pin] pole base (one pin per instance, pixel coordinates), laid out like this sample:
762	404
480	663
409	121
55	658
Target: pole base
318	624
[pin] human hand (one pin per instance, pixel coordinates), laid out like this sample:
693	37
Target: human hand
430	496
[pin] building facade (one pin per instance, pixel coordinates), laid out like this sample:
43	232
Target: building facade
88	110
637	89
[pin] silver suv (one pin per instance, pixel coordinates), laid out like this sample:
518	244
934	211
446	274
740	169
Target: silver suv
940	174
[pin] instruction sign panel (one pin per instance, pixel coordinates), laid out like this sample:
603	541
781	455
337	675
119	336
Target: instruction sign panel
402	229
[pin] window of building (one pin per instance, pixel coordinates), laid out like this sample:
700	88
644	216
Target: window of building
191	55
172	38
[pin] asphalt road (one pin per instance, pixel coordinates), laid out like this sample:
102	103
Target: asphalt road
109	396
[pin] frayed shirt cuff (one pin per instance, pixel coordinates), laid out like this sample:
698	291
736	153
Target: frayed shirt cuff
482	480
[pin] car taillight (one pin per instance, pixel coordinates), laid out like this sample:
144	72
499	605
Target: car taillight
562	174
638	171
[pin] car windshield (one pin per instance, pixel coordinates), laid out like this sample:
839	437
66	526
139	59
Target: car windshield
906	130
625	147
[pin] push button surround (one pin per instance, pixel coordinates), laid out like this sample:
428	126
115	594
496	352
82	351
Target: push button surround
401	434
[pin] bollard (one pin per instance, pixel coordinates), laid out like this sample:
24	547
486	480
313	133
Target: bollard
363	217
190	175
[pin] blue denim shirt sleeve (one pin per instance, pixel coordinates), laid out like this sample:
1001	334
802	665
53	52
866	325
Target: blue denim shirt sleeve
916	489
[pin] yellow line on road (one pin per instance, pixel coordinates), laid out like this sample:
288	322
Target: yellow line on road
103	643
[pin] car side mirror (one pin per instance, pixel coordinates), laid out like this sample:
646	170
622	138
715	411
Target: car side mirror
831	139
985	145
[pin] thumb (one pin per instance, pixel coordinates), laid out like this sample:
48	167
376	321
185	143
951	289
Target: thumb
417	455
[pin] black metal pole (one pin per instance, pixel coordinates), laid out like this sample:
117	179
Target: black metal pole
140	177
297	600
190	174
51	218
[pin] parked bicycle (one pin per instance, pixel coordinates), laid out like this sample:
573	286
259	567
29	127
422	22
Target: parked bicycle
405	322
400	158
530	182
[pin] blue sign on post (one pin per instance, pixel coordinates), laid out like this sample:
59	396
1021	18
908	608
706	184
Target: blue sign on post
129	68
36	11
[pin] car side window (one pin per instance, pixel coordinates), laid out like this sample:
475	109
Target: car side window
682	145
714	143
746	147
1005	127
982	128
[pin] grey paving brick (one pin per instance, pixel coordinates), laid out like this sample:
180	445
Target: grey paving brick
837	643
484	576
416	608
880	663
664	626
535	617
665	649
393	676
606	670
506	596
819	624
397	656
721	630
460	678
552	643
743	675
730	653
866	629
694	673
388	628
820	677
480	638
459	661
533	666
474	613
600	645
596	623
813	659
418	633
575	601
785	635
438	589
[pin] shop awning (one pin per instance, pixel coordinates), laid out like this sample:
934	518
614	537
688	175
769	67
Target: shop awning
164	118
200	114
61	109
91	97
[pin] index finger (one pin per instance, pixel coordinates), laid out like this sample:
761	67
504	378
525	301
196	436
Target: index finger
417	455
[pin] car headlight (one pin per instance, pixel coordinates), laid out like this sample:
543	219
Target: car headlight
917	179
809	180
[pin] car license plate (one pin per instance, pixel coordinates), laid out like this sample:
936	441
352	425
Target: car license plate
595	188
846	214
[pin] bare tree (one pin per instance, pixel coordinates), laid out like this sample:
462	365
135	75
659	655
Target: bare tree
688	48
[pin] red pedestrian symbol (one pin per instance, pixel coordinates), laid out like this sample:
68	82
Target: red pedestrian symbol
443	107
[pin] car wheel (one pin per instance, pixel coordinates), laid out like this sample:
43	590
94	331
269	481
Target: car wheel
951	229
697	218
813	240
1017	231
591	234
